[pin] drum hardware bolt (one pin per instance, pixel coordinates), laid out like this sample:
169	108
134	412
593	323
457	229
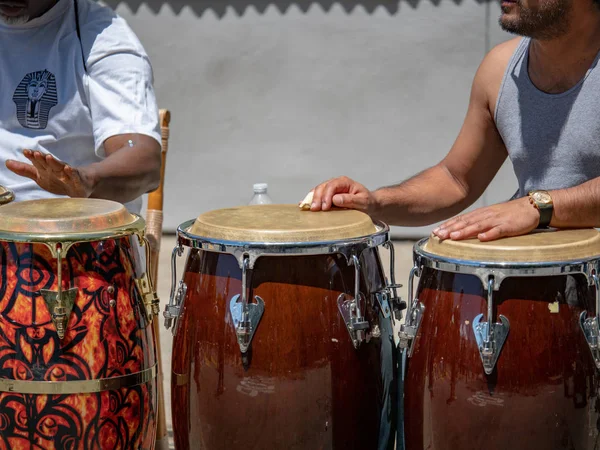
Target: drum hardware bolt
490	336
112	302
356	325
383	301
591	326
110	290
173	309
145	285
375	331
414	315
149	297
246	316
350	310
390	305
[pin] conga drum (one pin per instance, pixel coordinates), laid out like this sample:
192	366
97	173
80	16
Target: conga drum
503	344
283	333
77	360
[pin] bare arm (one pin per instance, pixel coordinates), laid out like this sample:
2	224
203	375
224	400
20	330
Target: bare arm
577	207
448	187
125	174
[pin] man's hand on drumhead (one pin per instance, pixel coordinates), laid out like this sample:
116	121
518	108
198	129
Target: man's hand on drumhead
52	175
512	218
343	193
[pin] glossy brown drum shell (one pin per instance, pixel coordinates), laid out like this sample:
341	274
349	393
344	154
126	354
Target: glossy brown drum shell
302	385
543	391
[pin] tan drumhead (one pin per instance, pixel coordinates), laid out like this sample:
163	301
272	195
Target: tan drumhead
64	216
282	223
539	246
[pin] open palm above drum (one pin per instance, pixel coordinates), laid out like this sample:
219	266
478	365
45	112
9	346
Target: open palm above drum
512	218
52	175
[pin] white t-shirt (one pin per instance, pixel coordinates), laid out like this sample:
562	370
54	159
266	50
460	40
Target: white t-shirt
49	103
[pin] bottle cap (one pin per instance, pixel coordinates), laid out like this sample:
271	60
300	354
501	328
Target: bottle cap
260	187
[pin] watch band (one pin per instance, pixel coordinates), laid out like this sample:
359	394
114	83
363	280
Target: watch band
545	216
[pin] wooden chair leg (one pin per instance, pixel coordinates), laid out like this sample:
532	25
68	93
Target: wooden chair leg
154	232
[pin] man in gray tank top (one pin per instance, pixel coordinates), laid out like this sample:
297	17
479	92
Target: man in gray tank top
534	99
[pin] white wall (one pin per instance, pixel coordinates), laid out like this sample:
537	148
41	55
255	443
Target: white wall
292	94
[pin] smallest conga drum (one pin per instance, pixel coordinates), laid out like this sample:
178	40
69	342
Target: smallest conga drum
506	344
284	334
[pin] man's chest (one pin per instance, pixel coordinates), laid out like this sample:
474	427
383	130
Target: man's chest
42	86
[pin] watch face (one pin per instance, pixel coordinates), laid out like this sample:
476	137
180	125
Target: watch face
542	197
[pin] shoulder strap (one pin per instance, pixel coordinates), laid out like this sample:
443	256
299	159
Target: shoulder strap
75	3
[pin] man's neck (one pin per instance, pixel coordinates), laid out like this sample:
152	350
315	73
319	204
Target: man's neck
556	65
42	9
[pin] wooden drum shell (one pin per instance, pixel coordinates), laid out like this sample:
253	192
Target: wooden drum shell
302	385
543	392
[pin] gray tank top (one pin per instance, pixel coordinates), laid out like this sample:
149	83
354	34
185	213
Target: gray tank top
553	140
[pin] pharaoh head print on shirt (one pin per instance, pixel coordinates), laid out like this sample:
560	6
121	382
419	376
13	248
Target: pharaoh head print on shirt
34	97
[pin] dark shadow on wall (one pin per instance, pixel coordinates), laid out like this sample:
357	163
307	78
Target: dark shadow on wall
219	7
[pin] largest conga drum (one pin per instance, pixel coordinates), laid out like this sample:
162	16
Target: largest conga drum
77	360
283	338
506	348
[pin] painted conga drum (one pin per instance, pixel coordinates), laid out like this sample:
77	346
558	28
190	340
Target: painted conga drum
283	333
77	360
506	348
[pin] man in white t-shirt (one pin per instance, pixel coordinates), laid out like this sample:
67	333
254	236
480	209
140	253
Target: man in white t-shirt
78	115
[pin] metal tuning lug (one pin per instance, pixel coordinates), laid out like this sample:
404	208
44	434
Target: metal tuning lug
490	336
145	286
591	326
246	316
414	316
173	309
60	303
149	297
351	311
394	301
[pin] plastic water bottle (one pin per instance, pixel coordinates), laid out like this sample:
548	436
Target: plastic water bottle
260	195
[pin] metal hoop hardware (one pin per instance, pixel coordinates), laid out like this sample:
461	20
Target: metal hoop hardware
414	315
173	309
591	326
246	316
351	309
490	336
